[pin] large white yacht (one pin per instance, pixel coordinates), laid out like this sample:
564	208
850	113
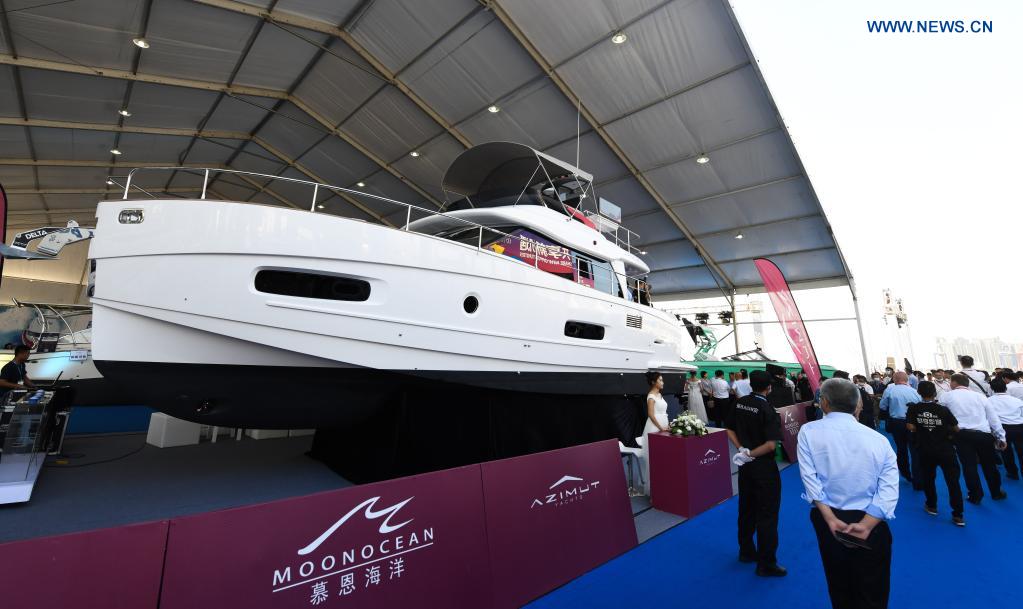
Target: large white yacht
253	315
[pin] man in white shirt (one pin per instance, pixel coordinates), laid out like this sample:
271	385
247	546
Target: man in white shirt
980	433
851	479
977	379
1012	385
742	386
1010	412
940	382
722	394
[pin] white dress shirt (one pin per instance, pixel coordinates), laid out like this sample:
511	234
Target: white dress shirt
848	466
1014	389
1009	409
973	411
742	388
866	387
720	388
942	386
978	376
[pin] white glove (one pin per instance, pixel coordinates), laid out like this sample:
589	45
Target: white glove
742	457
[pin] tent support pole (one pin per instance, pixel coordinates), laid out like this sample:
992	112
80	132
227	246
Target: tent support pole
735	324
859	328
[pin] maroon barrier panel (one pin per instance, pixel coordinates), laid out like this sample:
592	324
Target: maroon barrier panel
552	516
689	475
792	418
117	568
411	542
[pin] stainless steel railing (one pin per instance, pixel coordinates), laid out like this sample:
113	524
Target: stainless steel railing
637	285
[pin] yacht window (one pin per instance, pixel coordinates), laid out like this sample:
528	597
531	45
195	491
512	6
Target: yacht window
312	285
595	273
580	329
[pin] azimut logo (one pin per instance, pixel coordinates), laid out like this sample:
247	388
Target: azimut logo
568	489
711	456
374	555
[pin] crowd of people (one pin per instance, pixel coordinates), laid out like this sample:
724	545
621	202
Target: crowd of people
967	424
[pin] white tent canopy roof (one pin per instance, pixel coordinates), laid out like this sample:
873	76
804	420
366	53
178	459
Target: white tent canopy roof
342	91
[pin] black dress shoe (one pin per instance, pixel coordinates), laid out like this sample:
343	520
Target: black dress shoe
772	570
1012	476
974	500
745	558
1001	495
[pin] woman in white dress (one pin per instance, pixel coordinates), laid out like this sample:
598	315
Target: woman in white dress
656	419
695	398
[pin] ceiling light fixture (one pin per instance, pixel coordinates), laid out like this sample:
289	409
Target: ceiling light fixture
619	37
702	159
110	182
360	184
738	236
319	207
115	152
642	253
124	112
414	154
493	109
141	43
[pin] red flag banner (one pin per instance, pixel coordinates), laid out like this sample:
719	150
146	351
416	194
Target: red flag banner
3	226
791	321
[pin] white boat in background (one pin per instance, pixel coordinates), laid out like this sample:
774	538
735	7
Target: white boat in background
60	337
250	315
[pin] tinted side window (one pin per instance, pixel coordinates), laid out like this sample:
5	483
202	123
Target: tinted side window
312	285
579	329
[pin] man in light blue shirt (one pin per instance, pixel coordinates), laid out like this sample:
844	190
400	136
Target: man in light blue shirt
851	479
895	402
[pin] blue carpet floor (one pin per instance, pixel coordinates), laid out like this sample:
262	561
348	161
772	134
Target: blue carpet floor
934	564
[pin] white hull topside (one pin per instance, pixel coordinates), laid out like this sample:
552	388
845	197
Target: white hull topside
169	288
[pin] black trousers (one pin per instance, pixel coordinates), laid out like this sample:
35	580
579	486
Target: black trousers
905	450
1014	437
759	502
945	458
978	447
857	578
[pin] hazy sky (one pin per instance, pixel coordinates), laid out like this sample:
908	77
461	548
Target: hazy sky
912	142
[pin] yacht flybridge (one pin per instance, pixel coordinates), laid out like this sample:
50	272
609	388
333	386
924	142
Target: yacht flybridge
263	316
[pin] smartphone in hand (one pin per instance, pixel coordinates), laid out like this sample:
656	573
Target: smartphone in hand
852	541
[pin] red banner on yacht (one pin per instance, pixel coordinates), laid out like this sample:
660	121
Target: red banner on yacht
533	249
791	321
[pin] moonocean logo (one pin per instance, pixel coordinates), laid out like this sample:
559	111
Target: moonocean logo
355	555
711	456
568	489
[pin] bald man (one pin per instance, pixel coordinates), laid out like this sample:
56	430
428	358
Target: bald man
895	402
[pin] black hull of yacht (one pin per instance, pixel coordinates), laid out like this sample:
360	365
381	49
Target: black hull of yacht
379	424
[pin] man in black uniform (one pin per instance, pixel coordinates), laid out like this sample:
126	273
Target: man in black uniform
12	375
933	426
754	427
781	394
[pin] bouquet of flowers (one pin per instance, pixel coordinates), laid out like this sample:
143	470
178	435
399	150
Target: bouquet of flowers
688	425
